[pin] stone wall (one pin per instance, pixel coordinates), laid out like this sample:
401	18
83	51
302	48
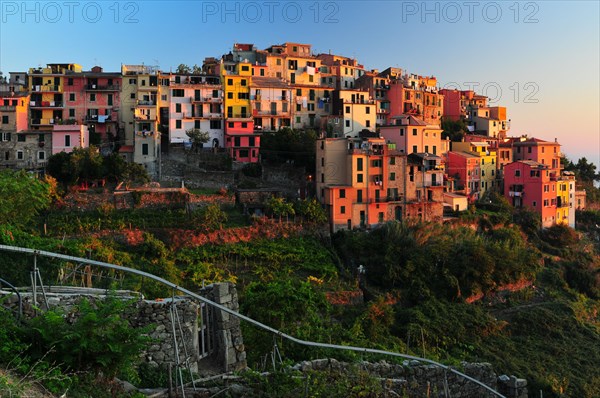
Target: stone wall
229	351
415	379
230	344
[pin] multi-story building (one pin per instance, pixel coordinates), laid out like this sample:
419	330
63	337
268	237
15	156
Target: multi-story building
457	103
488	159
377	86
528	183
66	137
415	95
365	182
354	112
295	64
20	147
565	198
93	98
271	103
544	152
413	135
46	87
241	141
140	111
490	121
195	102
346	70
465	170
16	83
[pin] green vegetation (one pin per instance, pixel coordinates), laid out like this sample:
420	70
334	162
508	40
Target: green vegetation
288	144
491	287
455	130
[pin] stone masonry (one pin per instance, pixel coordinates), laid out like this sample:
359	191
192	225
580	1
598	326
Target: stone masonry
228	351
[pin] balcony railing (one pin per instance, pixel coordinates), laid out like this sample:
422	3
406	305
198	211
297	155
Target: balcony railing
239	115
47	88
146	103
43	122
45	104
270	113
7	108
103	87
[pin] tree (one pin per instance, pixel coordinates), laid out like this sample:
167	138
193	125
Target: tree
183	69
198	138
23	197
454	129
312	210
586	171
196	70
280	208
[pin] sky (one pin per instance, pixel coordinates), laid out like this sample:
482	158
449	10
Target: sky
540	59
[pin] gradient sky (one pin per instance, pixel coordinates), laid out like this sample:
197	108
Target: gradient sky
539	59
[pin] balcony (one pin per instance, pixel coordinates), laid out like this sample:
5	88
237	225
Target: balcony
239	116
105	87
43	122
141	117
271	113
146	103
45	89
515	194
8	108
358	151
45	104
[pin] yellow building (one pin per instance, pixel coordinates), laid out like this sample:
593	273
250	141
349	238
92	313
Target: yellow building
139	104
46	86
488	164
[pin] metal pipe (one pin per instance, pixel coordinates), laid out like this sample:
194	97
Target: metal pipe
20	314
244	317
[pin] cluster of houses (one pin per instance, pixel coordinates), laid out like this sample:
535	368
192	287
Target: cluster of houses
381	155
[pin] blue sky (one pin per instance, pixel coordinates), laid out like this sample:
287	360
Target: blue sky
540	59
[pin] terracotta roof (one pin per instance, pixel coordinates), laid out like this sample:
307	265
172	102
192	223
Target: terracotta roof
412	121
261	81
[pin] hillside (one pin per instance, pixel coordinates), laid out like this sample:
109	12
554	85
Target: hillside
481	289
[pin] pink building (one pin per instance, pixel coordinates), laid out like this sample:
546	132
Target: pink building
412	135
241	142
66	137
93	98
529	184
465	169
544	152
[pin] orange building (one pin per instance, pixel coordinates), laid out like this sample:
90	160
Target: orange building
364	182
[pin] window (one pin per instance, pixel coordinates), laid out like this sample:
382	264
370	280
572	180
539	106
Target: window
243	82
177	124
5	119
368	110
359	196
92	97
342	193
517	173
144	149
359	178
132	96
237	141
414	149
298	120
359	164
19	155
110	99
215	124
546	188
70	81
72	97
368	123
21	137
402	132
414	132
197	124
347	123
41	155
347	109
178	108
67	141
245	68
71	113
243	96
132	81
178	92
343	210
230	95
426	148
380	217
230	82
